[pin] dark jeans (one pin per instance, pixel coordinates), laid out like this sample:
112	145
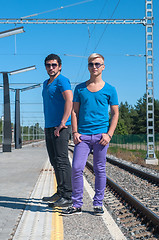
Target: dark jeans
57	148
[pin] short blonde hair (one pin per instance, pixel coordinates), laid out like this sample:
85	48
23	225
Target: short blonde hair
95	55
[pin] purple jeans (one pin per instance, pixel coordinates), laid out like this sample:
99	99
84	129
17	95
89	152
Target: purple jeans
81	152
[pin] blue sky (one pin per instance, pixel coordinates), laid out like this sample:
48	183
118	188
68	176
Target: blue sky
74	43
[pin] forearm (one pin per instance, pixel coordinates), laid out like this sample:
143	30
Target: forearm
67	111
114	121
74	121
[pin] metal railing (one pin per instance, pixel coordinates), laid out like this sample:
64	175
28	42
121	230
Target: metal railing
32	134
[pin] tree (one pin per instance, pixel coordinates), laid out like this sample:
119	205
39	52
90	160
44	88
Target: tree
139	120
126	116
0	126
121	127
156	115
125	111
132	120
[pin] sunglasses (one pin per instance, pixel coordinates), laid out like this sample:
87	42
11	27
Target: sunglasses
97	65
48	65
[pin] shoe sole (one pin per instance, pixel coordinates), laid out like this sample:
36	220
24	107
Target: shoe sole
69	214
98	214
49	201
52	201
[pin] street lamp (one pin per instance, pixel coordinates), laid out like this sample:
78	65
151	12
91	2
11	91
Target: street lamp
22	70
7	116
11	32
30	87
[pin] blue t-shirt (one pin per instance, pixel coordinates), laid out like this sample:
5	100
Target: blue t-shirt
93	112
54	102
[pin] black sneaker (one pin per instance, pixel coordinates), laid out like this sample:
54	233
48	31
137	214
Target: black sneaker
61	202
98	210
53	198
71	210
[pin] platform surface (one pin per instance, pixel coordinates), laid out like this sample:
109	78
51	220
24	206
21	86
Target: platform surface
25	177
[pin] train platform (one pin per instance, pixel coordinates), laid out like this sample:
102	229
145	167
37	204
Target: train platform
25	177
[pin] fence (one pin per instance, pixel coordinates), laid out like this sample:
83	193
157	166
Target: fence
31	133
133	141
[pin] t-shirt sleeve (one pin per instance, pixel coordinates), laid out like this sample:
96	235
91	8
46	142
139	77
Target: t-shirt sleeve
76	95
64	84
113	97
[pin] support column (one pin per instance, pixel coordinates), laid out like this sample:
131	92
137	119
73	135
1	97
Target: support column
17	130
151	157
7	130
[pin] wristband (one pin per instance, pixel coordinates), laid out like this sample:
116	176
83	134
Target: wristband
109	135
74	132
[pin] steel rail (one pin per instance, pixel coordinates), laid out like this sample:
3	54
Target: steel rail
148	176
132	200
129	198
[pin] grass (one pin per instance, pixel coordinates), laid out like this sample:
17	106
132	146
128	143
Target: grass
134	156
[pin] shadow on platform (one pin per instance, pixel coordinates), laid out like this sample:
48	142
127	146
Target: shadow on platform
31	204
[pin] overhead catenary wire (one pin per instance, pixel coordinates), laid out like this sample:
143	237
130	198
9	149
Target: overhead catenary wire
71	55
89	40
100	36
59	8
107	25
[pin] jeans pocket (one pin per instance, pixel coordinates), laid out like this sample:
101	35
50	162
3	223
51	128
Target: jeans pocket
85	137
81	137
99	136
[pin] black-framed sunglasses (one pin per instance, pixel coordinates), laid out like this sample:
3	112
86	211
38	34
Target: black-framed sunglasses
48	65
97	65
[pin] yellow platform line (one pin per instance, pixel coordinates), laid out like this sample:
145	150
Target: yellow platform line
57	222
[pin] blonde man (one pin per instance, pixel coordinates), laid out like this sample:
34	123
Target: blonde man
91	131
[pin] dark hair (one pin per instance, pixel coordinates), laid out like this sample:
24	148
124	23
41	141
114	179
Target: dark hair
53	57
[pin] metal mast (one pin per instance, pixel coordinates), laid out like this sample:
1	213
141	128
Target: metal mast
150	83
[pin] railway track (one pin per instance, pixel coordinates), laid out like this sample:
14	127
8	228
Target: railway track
132	197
